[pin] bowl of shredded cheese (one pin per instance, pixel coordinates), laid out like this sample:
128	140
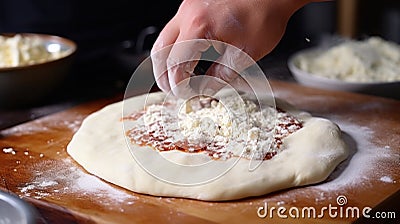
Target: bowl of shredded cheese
370	66
32	66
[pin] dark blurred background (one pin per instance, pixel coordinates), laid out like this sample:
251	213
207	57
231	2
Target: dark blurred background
113	37
101	29
107	32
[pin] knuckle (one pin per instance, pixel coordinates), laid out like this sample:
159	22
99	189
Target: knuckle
171	62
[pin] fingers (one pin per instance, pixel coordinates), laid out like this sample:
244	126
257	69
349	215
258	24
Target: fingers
182	61
174	56
174	65
226	70
160	52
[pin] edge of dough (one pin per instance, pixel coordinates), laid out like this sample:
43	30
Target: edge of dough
311	154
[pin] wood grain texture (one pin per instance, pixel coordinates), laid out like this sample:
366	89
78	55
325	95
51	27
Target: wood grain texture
41	172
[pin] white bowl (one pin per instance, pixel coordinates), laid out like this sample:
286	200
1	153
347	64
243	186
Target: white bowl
386	89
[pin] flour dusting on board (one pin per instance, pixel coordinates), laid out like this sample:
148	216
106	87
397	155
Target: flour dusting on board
51	179
361	166
359	170
387	179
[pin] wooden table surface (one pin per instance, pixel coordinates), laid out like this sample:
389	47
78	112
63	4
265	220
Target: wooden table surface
34	165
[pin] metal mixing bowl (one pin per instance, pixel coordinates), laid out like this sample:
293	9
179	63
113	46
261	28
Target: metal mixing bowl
28	84
15	210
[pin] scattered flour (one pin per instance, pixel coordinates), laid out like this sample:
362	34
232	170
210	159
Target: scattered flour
387	179
360	166
360	170
9	150
73	125
23	130
280	203
48	183
52	179
26	188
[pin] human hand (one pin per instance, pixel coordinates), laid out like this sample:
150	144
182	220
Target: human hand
255	27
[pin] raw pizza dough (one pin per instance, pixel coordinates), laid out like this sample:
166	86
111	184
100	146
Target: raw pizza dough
311	154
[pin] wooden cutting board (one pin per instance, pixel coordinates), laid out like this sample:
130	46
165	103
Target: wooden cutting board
34	165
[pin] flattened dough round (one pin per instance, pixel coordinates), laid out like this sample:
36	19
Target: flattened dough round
311	154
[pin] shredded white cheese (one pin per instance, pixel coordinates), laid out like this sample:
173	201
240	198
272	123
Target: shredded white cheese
226	127
370	60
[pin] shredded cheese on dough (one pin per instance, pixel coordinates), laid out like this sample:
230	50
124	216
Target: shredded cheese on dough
223	128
